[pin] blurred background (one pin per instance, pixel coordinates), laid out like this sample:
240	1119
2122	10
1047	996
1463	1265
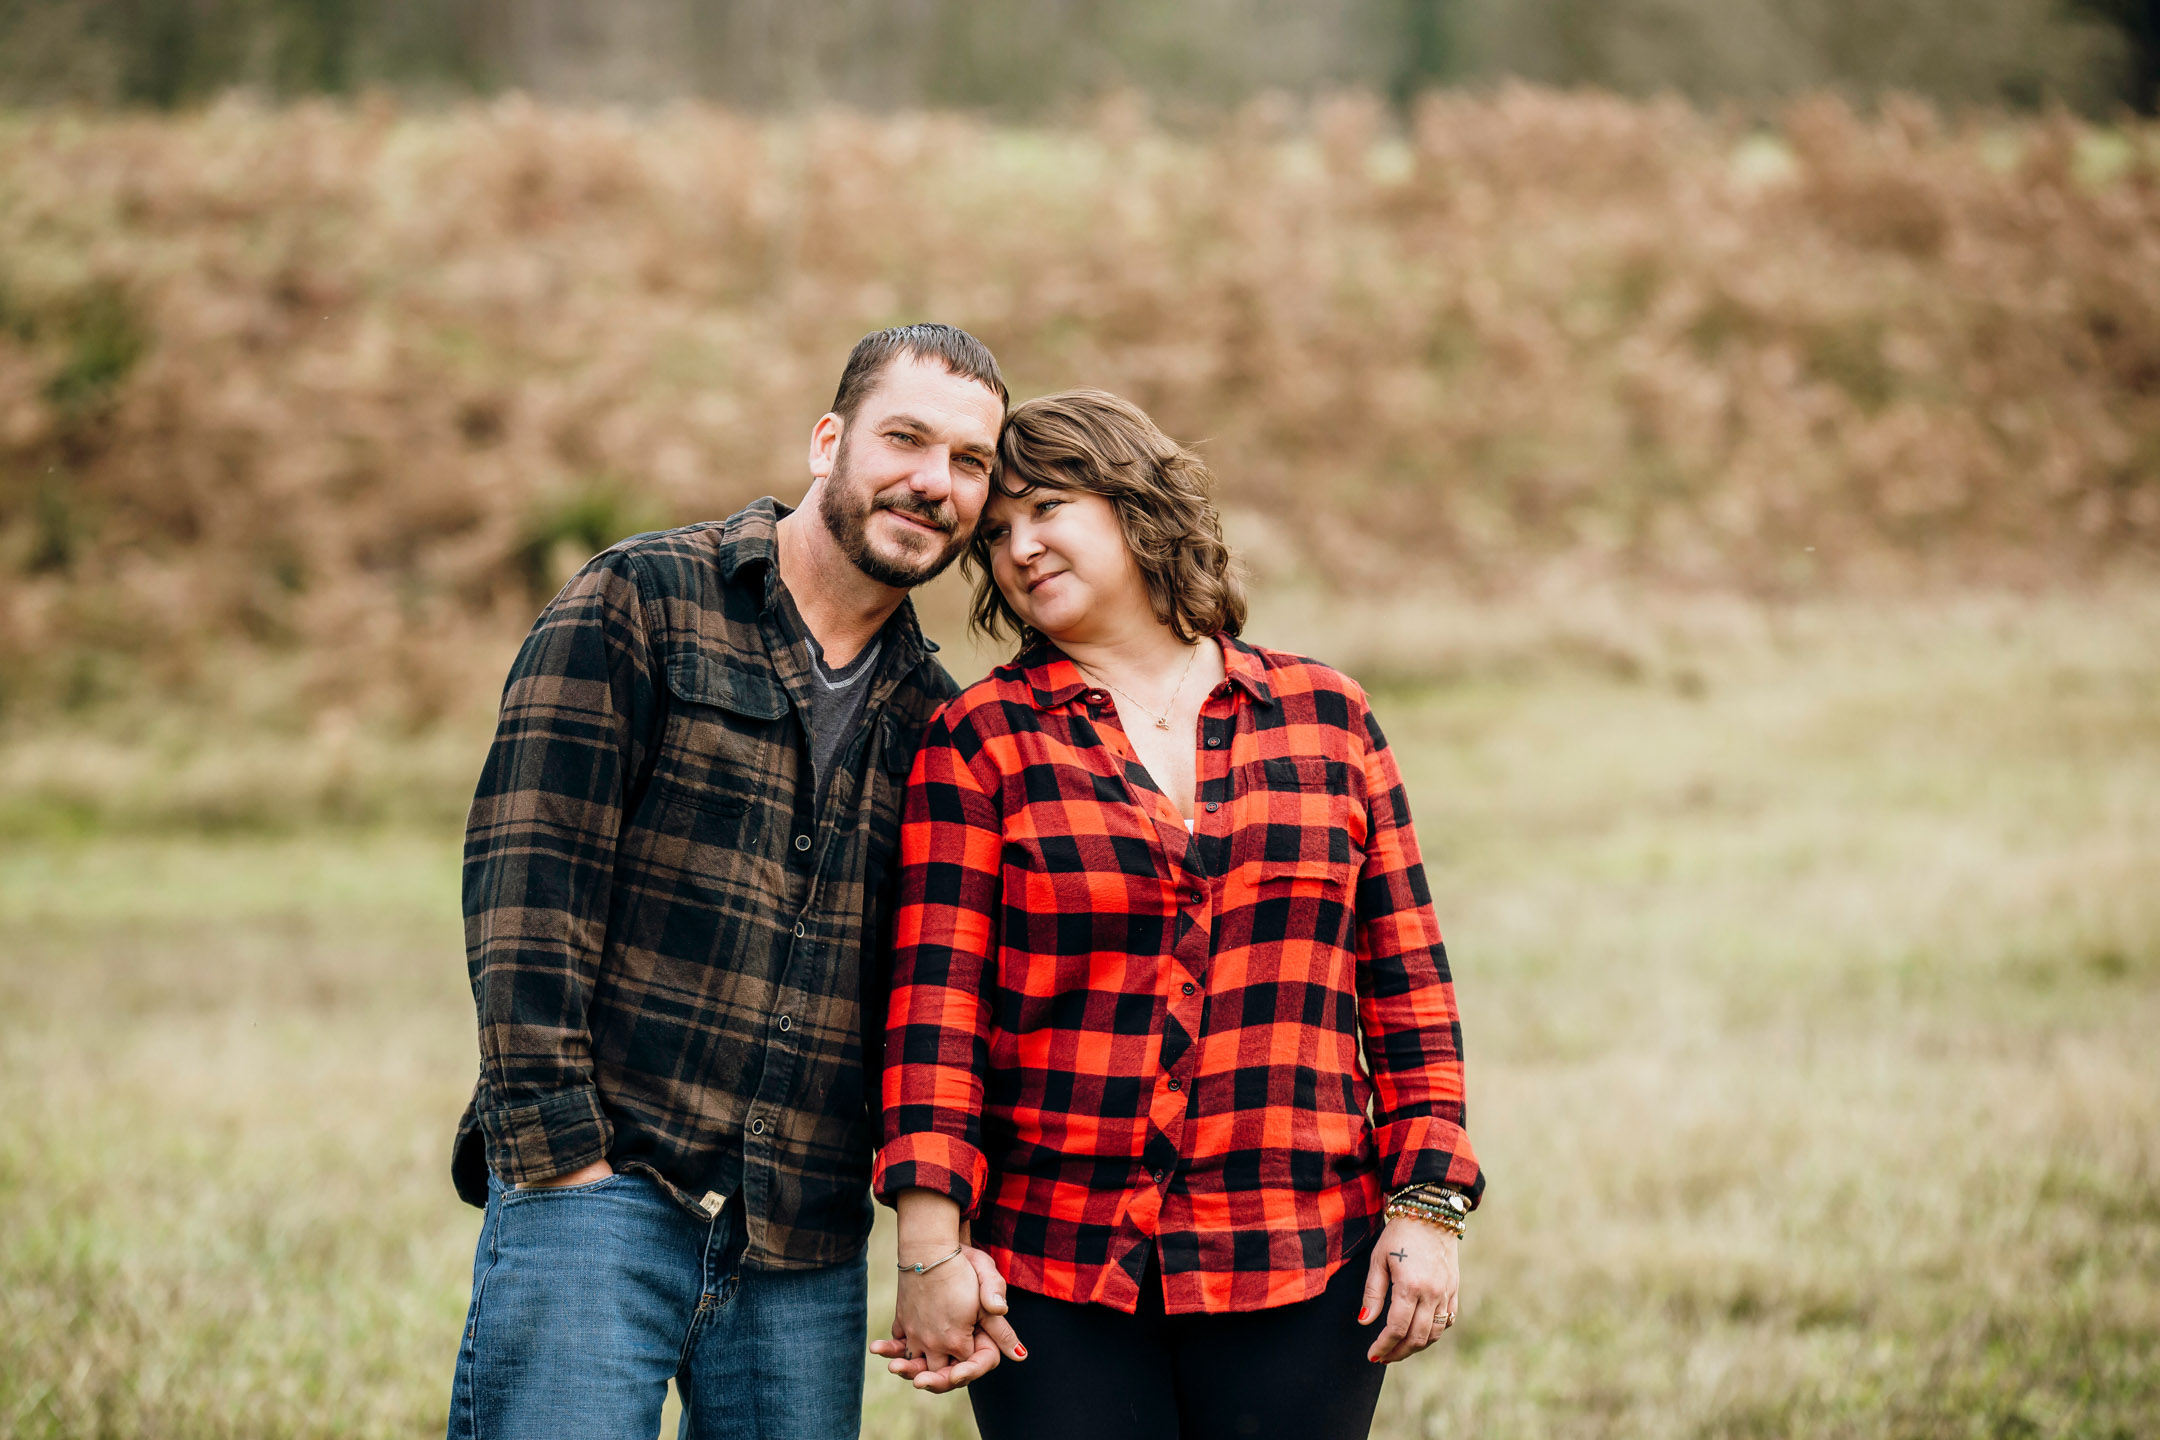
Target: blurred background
1725	438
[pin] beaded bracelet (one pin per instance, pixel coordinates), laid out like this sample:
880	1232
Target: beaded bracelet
1433	1204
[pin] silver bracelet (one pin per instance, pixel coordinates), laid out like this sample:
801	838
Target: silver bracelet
928	1265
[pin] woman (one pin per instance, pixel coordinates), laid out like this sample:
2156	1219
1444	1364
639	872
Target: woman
1164	937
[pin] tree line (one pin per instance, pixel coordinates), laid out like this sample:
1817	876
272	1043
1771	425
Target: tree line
1028	58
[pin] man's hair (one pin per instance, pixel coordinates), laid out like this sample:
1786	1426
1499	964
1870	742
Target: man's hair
1090	440
949	345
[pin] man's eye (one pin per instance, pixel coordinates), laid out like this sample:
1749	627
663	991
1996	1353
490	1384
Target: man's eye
901	437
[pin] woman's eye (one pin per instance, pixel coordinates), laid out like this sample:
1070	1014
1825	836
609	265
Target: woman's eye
1044	507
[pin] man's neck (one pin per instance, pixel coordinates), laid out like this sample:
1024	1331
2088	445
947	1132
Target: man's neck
843	607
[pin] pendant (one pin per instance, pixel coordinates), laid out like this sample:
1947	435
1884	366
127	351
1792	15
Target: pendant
1163	723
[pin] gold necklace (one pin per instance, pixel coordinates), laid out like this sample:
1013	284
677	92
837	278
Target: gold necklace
1162	721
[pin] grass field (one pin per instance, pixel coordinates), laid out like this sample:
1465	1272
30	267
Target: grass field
1810	969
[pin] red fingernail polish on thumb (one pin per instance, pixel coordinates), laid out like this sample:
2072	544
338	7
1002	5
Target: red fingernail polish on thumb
1019	1352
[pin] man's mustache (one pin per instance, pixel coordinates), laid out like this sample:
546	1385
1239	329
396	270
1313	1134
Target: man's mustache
929	512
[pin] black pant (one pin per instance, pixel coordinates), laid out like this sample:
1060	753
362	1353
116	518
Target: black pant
1297	1372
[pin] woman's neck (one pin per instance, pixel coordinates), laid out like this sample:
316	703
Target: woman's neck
1134	656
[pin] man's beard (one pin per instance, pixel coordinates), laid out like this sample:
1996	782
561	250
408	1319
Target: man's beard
847	518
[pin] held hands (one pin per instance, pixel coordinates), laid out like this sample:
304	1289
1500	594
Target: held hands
949	1323
1419	1262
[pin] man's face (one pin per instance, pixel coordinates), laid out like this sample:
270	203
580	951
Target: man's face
910	472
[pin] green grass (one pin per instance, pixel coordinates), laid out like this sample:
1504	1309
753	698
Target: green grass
1810	969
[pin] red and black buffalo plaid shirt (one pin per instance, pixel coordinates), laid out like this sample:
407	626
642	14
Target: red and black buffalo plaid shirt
1108	1034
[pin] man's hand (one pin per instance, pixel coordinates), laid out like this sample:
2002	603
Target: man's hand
583	1175
993	1336
1419	1261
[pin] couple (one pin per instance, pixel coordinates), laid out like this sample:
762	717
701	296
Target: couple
1128	945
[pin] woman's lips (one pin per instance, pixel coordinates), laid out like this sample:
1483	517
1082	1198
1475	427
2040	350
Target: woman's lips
1034	585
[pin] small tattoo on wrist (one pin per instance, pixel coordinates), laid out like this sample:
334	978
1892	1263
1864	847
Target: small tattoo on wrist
1399	1255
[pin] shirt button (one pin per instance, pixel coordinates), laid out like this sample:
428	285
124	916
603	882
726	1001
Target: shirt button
1188	987
1158	1175
1196	896
757	1127
786	1023
802	842
1096	697
1214	742
1213	806
1176	1084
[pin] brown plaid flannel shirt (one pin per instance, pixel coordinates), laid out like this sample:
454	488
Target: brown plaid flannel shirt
672	949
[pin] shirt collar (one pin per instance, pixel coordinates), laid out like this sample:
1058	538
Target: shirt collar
750	540
1054	680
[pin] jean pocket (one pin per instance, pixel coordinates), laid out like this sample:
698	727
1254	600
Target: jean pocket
519	1194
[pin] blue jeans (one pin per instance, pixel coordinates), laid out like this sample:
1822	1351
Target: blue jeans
586	1301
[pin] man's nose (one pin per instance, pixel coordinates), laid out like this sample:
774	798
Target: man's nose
934	477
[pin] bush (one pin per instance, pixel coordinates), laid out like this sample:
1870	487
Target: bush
339	381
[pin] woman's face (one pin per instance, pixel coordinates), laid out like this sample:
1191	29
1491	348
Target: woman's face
1060	560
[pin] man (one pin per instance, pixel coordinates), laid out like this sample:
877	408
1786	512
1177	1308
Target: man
678	878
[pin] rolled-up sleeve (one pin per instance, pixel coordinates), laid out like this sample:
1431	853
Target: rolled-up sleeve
1406	998
540	850
937	1031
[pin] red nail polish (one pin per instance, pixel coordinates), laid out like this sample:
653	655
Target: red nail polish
1019	1352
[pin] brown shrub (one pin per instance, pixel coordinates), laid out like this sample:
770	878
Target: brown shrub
364	382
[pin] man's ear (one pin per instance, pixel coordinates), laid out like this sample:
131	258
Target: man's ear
825	444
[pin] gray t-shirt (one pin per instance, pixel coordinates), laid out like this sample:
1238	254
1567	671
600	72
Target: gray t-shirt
836	697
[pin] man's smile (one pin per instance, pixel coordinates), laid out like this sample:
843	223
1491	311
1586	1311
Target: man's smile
915	521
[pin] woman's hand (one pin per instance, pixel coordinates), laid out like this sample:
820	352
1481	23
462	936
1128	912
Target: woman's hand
1419	1262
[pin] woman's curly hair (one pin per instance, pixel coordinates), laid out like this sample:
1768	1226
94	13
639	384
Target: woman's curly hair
1092	441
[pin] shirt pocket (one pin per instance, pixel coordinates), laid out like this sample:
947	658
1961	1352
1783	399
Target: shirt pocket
1299	820
695	882
726	758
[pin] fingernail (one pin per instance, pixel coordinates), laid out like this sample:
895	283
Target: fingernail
1363	1316
1019	1352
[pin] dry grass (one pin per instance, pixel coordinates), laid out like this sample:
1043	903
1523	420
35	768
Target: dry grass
352	387
1810	964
